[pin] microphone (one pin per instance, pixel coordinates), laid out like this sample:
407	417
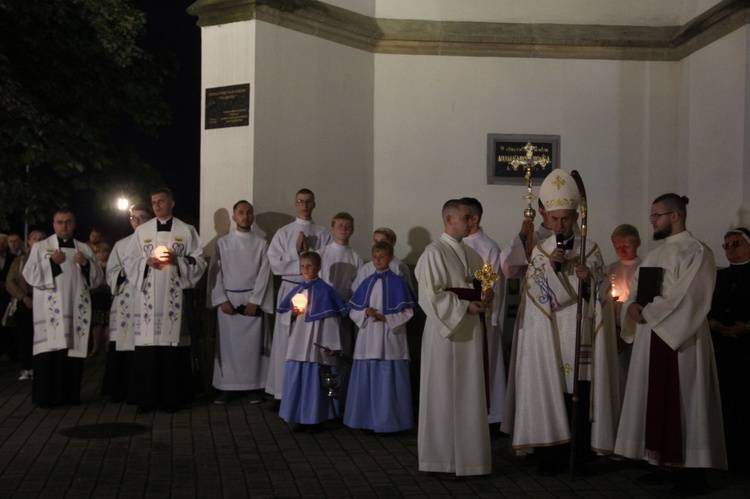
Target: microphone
560	244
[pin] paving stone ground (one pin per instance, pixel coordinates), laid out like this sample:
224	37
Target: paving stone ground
244	450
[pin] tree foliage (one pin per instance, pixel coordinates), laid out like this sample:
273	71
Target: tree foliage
75	93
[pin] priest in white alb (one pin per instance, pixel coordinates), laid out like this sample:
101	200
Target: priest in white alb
488	249
671	414
243	291
453	437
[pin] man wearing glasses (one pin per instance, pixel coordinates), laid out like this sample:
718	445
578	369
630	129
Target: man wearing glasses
671	413
729	320
283	253
122	314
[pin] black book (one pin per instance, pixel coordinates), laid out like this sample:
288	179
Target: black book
649	284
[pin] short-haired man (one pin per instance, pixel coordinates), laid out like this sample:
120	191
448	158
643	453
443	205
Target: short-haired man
671	414
541	377
453	437
164	258
62	271
15	243
243	292
122	314
283	254
488	249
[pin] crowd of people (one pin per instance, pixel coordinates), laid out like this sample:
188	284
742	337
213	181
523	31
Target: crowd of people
638	359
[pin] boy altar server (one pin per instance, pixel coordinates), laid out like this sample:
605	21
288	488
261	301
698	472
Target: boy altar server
244	294
315	327
379	397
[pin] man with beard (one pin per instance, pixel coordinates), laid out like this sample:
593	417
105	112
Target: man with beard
671	413
243	293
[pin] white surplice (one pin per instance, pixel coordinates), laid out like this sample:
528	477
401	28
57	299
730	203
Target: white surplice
543	356
453	435
243	276
282	255
339	266
381	340
122	314
490	252
160	292
62	303
678	317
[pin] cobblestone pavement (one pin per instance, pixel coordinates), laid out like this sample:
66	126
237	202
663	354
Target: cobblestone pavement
244	450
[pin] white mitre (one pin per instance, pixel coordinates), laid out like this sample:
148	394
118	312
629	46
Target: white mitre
559	191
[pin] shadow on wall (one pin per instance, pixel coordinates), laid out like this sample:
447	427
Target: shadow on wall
222	225
419	239
269	222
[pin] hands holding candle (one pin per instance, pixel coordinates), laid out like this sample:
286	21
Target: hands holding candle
300	302
161	257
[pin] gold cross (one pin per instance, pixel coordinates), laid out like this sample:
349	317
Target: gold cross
558	182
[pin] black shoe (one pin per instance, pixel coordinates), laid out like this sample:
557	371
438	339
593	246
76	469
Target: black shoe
300	428
315	428
275	405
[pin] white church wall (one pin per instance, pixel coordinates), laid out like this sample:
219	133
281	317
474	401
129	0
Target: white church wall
432	116
228	55
313	128
714	139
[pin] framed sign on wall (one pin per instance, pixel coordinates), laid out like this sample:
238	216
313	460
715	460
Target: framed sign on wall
503	149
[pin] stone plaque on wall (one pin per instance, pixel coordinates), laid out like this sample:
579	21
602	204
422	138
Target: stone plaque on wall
228	106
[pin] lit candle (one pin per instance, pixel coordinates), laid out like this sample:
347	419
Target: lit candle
299	301
161	253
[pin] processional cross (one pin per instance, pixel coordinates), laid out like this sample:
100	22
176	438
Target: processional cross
529	163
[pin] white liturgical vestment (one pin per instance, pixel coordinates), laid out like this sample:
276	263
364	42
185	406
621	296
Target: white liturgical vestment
62	303
678	317
453	434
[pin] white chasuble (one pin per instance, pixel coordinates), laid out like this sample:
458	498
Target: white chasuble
543	357
62	303
122	314
160	292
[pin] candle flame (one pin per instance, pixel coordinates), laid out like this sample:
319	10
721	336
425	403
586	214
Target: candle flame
161	253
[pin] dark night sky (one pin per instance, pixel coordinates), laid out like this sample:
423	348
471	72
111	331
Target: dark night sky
175	153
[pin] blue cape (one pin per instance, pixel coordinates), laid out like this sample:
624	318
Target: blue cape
322	301
396	293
